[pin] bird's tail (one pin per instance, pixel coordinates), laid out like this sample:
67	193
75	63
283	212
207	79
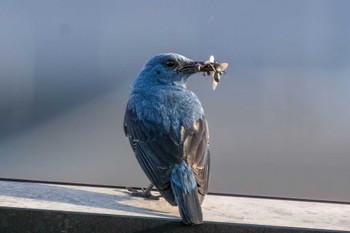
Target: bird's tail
185	191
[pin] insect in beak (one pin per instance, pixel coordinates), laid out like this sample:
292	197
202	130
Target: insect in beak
214	69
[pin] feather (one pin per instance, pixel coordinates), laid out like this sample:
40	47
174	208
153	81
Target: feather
185	191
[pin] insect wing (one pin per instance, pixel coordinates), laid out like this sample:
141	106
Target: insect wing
223	66
211	59
214	84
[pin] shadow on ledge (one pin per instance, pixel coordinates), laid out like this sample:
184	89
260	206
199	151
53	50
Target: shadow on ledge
72	195
16	220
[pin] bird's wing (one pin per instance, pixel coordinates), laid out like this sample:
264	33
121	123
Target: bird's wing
157	150
196	149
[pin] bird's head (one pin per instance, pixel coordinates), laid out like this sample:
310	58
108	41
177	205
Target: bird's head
169	69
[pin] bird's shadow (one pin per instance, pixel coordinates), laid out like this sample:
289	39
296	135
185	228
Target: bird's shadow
77	196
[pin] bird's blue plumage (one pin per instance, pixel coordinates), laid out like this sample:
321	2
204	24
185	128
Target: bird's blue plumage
165	124
185	191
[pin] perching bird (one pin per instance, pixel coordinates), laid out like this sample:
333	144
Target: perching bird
168	132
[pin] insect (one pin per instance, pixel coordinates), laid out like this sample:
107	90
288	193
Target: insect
214	69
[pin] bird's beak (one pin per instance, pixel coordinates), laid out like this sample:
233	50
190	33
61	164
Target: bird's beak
213	68
190	67
201	66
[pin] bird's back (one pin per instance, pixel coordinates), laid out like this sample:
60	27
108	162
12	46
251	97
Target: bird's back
165	105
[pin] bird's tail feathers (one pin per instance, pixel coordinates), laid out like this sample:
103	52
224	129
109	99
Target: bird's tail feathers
185	191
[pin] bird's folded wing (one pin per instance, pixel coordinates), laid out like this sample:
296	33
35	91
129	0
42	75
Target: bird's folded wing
196	149
158	149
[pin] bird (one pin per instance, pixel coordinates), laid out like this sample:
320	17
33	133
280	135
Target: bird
168	132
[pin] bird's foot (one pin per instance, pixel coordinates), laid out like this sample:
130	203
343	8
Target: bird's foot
145	193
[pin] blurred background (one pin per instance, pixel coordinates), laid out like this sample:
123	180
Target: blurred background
279	120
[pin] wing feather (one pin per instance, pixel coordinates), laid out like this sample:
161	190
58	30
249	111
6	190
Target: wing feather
158	149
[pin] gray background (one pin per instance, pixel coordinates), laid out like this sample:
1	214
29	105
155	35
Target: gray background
279	121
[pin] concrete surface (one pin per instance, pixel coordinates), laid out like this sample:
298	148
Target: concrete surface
20	201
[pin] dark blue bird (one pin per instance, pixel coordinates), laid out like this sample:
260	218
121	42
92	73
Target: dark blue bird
168	132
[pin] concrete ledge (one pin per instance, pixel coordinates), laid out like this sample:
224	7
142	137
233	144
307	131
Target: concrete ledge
24	220
39	207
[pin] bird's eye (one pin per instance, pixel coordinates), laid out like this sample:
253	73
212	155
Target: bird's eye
170	63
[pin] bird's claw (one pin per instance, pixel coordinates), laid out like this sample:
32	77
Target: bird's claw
143	193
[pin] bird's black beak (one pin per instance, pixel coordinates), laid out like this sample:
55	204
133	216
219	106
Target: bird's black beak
201	66
190	67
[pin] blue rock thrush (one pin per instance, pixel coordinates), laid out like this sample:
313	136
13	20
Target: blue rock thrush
166	127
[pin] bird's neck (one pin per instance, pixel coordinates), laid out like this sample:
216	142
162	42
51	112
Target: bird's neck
140	85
